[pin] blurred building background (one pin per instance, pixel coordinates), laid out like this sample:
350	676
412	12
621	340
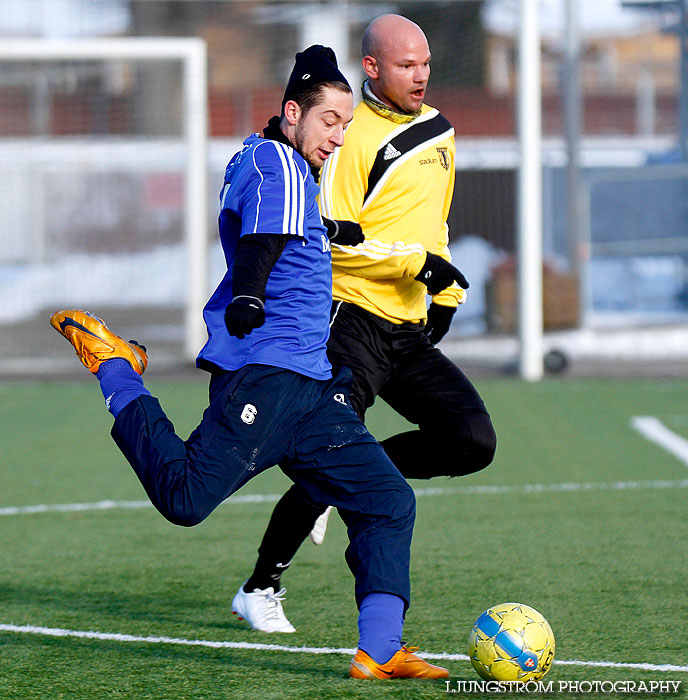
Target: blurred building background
91	160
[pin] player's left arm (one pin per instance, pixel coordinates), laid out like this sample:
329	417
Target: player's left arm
443	306
454	294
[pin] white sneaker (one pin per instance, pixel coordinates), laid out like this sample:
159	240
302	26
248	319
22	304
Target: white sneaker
262	609
317	534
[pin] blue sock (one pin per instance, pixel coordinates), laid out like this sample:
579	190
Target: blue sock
120	384
380	624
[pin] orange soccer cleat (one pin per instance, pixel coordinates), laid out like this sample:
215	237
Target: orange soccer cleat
404	664
95	343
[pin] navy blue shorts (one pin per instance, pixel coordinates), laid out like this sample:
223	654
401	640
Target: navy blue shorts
260	416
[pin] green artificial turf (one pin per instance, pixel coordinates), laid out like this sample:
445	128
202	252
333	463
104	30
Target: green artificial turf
603	558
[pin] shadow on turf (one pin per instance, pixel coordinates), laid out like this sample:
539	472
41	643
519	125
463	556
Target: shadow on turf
77	668
206	614
246	662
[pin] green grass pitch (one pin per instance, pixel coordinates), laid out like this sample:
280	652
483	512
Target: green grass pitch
603	559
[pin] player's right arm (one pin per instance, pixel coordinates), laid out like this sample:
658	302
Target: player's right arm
254	258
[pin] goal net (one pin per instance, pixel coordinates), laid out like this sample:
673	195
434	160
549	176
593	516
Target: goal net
104	194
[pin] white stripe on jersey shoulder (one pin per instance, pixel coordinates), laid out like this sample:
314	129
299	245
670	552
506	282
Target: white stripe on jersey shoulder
283	150
258	189
292	219
287	167
401	160
301	196
431	114
290	212
298	192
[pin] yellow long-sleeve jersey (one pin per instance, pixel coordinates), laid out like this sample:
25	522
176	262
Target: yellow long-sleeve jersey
396	181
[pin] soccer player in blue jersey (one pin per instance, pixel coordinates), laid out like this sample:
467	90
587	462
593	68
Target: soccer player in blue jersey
273	396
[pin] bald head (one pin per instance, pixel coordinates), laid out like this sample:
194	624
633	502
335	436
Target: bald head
388	31
396	59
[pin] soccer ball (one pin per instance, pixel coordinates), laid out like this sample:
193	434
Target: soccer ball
511	642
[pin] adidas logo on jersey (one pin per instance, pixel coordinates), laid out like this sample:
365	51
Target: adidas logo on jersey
391	152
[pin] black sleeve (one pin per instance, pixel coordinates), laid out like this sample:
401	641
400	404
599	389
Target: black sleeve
331	226
254	258
343	232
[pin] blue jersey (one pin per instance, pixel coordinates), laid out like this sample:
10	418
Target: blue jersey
269	189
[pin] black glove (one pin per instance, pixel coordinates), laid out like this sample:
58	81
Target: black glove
439	320
344	232
438	274
244	314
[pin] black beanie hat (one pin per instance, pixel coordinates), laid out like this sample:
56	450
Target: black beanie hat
317	64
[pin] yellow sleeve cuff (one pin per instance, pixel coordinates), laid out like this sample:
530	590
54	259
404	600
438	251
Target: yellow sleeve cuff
452	296
416	265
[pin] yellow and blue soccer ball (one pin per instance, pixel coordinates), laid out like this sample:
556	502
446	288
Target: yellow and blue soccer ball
511	642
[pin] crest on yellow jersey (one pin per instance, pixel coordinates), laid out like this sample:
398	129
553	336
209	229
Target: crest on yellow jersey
443	153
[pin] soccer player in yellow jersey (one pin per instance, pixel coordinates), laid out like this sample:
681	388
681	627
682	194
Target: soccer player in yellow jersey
394	175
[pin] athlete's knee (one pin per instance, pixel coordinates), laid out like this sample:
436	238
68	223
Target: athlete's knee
465	444
184	518
484	441
475	445
183	512
395	504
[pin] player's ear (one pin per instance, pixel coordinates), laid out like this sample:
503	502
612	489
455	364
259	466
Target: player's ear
370	67
292	112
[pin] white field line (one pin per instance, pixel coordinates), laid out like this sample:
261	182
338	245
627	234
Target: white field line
571	487
120	505
115	637
655	431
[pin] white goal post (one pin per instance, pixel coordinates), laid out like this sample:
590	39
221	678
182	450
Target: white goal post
193	55
529	226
